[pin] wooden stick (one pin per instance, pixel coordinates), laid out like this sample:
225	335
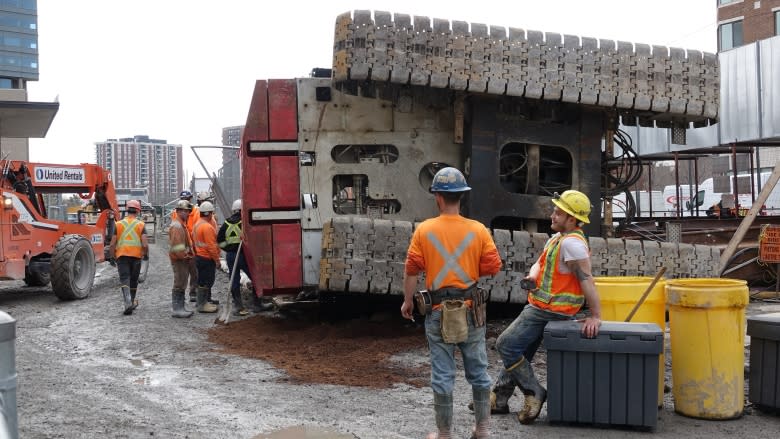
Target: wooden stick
646	293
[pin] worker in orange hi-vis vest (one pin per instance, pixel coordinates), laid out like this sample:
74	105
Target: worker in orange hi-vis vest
204	239
559	284
128	247
181	255
454	252
192	218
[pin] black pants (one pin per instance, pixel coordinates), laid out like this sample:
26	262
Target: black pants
129	269
207	271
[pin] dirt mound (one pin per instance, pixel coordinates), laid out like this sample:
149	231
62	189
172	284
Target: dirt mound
354	352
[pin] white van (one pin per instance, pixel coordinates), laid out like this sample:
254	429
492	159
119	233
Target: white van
706	197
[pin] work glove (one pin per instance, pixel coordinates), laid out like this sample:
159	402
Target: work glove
112	261
146	257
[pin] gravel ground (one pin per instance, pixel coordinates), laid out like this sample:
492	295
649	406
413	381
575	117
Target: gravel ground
87	371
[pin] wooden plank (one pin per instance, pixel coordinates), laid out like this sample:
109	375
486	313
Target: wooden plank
255	183
739	235
256	127
285	184
258	251
288	271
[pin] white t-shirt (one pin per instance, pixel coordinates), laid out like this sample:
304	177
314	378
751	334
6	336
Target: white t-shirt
572	249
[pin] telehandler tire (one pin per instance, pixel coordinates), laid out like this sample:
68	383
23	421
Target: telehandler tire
72	268
36	279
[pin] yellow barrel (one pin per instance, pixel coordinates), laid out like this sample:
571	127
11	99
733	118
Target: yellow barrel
618	295
707	328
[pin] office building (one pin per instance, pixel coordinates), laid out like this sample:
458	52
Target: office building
742	22
18	61
141	162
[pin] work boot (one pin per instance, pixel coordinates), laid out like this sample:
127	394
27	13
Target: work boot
482	407
128	302
193	296
238	304
523	375
260	305
442	409
499	396
132	297
203	305
177	305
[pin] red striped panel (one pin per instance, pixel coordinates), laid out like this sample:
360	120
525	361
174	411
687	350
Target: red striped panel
285	186
288	269
283	105
259	255
255	183
256	127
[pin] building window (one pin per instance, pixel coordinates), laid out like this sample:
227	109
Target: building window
726	2
777	22
730	35
6	83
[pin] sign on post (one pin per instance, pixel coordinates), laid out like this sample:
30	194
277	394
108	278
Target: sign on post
769	243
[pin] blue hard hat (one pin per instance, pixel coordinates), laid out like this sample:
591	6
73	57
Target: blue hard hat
185	194
449	180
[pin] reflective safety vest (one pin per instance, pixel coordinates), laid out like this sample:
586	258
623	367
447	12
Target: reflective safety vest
557	292
232	234
128	243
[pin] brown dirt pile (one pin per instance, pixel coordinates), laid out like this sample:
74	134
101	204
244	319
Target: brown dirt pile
352	352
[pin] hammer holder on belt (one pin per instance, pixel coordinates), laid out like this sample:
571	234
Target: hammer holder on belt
479	307
424	302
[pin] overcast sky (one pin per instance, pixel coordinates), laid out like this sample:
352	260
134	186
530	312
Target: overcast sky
181	70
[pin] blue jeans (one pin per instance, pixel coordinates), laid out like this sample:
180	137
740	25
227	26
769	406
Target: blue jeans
443	356
230	258
524	335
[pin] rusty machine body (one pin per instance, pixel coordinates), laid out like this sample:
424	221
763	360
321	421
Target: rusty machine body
336	167
40	250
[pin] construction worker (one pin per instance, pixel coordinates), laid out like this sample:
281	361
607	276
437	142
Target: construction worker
453	252
181	255
563	283
229	238
204	239
128	247
192	218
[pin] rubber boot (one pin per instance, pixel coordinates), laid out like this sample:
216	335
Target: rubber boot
203	305
442	409
259	305
238	304
499	396
523	375
132	297
482	406
177	305
209	299
128	302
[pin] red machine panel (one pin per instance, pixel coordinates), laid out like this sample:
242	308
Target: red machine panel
288	271
256	128
283	110
285	190
255	179
258	250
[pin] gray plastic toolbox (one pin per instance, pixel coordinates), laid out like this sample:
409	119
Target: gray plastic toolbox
764	379
611	379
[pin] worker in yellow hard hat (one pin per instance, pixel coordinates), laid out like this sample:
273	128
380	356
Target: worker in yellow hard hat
559	284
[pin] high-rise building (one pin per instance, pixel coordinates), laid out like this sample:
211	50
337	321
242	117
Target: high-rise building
141	162
18	61
742	22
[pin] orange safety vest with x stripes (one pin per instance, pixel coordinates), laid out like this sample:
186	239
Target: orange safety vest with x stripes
128	232
557	292
453	251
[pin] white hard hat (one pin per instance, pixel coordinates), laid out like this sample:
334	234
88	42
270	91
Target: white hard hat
206	207
204	195
236	205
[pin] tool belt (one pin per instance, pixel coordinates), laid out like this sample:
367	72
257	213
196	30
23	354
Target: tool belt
473	297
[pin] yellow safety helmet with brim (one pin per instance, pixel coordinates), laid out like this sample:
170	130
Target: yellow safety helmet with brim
575	203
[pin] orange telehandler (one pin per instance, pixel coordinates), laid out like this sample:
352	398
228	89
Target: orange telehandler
41	250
